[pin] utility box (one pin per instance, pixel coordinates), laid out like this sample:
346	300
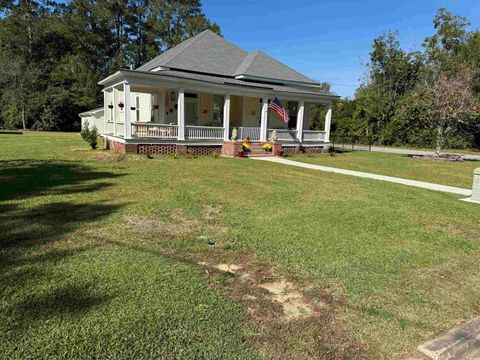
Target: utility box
476	185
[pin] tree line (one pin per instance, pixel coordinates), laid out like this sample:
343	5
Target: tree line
52	54
427	98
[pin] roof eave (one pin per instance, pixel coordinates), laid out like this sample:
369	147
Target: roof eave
279	81
91	112
126	75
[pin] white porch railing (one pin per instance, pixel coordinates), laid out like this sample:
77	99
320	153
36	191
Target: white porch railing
155	131
253	133
204	133
312	135
109	129
283	134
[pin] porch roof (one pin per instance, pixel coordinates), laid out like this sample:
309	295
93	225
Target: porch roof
91	112
218	81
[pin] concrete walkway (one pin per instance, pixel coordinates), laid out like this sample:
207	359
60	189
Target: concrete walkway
407	182
402	151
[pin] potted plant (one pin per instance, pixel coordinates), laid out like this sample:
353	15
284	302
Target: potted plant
155	107
279	153
267	147
245	147
241	153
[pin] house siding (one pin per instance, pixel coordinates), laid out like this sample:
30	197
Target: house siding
251	112
236	111
205	108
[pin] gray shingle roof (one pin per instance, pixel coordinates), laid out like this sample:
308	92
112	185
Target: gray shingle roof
206	52
259	64
223	80
209	53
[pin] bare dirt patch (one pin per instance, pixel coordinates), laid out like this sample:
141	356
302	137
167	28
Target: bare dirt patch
289	322
285	319
227	267
212	212
174	229
179	225
110	156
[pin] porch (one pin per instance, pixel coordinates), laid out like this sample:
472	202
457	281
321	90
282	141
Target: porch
139	113
212	133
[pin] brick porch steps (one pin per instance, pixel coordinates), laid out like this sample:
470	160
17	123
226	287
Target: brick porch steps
259	153
264	154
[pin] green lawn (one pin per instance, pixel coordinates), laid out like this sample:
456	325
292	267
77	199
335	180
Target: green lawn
458	174
99	253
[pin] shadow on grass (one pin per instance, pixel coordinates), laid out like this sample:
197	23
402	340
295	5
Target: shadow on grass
20	179
71	300
29	227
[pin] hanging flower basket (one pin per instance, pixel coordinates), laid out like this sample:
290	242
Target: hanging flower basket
121	105
155	107
133	108
110	106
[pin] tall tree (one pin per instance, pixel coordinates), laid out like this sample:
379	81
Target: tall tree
392	74
67	47
19	95
443	47
452	103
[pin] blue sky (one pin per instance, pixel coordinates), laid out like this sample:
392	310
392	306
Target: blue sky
329	40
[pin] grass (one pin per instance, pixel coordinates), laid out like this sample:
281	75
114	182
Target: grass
98	255
458	174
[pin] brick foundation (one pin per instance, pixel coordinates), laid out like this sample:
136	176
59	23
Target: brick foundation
315	149
159	149
305	149
228	149
291	150
120	147
163	149
199	150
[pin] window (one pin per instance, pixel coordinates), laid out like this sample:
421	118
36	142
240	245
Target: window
217	111
137	108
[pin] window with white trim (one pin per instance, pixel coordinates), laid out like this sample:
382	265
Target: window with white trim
137	108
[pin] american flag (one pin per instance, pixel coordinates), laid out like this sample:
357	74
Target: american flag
277	106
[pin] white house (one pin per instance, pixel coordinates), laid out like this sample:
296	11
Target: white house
193	95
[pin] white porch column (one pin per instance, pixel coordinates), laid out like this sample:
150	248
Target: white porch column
300	117
115	105
105	110
181	114
328	122
226	118
128	111
264	120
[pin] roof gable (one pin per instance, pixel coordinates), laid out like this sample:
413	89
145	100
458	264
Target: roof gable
206	52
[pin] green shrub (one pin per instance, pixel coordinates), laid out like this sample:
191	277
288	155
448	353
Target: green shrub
90	135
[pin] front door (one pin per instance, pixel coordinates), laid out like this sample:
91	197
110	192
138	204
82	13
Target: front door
191	115
292	109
